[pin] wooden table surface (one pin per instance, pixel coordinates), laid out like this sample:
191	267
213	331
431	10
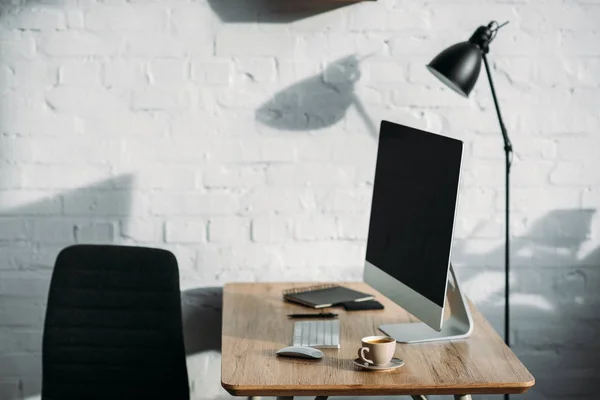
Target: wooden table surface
255	326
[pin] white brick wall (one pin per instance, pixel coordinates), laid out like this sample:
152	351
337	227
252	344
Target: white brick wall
137	123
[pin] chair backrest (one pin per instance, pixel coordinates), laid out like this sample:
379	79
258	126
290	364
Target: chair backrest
113	326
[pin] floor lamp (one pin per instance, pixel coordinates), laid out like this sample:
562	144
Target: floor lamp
458	67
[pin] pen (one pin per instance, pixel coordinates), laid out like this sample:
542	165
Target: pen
321	315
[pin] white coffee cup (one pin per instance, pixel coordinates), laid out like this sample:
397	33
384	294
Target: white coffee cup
379	350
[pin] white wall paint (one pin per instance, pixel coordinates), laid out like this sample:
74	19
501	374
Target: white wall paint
137	123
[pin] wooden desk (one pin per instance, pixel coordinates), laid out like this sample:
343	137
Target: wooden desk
255	326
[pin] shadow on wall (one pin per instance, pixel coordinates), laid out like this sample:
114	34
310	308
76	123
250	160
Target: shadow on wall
271	11
553	240
317	102
554	300
31	237
202	319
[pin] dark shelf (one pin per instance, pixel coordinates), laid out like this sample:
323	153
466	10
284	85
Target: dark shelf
274	11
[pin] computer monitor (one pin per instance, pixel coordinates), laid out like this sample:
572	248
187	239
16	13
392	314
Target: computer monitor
415	195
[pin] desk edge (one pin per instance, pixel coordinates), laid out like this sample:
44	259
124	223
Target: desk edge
347	390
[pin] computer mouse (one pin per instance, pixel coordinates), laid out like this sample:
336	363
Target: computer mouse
300	352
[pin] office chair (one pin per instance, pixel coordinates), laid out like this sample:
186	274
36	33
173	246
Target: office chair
113	326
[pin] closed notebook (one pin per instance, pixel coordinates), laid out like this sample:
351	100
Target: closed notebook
324	295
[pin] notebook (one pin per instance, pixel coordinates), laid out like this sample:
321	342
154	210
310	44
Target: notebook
321	296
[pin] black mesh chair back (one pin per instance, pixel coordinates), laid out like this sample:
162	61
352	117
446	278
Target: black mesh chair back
113	326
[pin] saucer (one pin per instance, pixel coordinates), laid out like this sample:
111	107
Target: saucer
395	363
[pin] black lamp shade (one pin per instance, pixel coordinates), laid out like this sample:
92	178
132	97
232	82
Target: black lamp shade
458	67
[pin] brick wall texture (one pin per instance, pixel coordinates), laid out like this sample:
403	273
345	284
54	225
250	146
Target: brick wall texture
243	139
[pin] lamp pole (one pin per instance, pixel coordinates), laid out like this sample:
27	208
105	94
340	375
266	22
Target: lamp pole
508	152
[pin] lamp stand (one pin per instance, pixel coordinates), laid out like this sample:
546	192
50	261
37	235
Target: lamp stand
508	151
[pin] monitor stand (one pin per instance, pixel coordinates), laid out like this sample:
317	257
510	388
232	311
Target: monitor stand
458	326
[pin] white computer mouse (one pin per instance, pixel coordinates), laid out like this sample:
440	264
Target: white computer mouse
300	352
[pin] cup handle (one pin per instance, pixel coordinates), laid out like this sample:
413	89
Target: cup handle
361	355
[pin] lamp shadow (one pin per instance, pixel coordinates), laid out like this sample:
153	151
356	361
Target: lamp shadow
271	11
317	102
32	237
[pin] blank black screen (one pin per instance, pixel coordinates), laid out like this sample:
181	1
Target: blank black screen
412	213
